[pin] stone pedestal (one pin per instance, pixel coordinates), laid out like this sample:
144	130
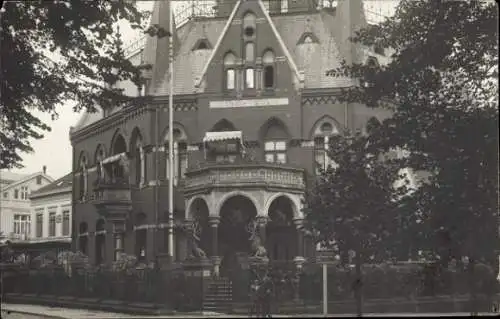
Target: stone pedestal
197	273
216	261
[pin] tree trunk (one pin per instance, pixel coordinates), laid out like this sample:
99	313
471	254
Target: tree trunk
358	286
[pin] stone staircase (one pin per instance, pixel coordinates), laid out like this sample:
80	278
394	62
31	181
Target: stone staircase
219	296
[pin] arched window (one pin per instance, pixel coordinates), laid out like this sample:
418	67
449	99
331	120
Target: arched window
229	71
322	133
249	24
83	178
249	78
275	141
140	166
180	155
268	61
249	28
99	157
249	52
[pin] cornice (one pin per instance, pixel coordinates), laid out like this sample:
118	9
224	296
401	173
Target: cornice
181	104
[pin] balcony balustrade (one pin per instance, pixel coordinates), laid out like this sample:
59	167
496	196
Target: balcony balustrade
244	174
112	198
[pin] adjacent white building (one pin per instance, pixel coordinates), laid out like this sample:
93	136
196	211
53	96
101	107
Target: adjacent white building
51	212
15	208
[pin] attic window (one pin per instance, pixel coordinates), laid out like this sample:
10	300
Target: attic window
307	38
202	44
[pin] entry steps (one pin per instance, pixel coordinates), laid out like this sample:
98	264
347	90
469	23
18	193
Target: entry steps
219	296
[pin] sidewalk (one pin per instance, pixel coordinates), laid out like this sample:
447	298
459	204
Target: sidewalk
42	312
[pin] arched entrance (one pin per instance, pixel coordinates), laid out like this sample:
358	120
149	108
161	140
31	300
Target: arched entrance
233	235
280	231
201	232
100	241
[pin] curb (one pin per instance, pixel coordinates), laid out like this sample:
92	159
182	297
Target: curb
29	313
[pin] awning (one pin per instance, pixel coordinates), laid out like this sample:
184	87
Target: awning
222	136
113	158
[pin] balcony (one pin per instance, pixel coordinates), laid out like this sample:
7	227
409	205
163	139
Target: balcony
250	174
112	199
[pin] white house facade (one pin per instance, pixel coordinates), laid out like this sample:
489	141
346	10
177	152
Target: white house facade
15	208
51	212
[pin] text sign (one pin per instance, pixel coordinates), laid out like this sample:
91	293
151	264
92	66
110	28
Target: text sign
248	103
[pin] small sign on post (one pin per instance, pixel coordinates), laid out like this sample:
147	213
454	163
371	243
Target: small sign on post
325	261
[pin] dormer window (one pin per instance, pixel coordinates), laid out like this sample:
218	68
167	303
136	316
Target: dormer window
202	44
268	61
229	71
308	38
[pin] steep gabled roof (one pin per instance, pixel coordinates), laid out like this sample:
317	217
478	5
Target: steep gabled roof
289	58
60	185
27	178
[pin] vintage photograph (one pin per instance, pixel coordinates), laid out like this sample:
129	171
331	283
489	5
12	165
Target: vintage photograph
249	158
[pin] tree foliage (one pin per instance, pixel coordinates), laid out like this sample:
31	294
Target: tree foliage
442	82
353	206
54	51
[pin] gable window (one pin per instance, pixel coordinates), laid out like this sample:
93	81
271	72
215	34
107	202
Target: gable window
39	180
249	52
249	78
24	192
229	71
249	23
268	61
275	152
16	194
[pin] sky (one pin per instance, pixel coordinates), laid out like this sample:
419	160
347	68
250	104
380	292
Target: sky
54	150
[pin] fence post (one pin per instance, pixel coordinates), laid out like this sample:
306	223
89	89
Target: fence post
325	289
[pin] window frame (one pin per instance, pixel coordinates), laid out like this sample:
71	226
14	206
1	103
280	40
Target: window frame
269	65
39	225
16	193
275	152
52	224
66	222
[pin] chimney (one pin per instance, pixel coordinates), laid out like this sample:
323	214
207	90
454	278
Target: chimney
44	170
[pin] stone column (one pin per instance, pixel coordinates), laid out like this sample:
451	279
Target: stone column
299	257
118	238
261	224
213	221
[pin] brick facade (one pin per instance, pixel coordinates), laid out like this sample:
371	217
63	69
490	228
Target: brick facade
300	99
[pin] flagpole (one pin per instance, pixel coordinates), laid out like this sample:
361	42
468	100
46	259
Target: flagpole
171	138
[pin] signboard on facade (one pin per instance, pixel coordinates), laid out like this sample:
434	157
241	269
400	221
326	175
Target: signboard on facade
248	103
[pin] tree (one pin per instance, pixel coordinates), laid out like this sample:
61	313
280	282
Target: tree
354	205
442	82
54	51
